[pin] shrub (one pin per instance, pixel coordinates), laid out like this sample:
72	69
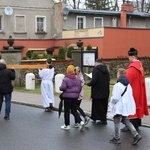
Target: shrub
61	53
69	51
29	54
89	47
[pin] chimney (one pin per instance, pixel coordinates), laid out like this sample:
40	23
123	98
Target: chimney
123	17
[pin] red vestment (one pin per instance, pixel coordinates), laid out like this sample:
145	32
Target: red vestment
135	74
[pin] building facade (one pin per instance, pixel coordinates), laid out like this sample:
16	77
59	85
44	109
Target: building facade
41	25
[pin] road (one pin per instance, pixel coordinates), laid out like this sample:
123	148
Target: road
30	128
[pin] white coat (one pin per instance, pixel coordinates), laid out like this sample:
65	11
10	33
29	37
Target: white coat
124	105
47	90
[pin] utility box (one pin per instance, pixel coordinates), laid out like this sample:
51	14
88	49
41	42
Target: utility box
30	81
58	81
147	82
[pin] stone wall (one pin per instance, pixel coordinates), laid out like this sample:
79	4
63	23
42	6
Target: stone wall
60	67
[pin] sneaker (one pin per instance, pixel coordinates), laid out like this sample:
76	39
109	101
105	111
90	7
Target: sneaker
81	125
136	139
64	127
115	141
87	119
6	118
76	125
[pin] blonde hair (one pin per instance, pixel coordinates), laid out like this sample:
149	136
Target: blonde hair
121	72
77	71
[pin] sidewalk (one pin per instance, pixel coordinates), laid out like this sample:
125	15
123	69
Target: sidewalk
35	100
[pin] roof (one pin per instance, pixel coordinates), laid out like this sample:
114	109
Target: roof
103	12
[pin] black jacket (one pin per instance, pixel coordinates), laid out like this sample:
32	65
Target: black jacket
6	77
100	82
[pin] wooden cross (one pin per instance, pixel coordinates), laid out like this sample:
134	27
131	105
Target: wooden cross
35	66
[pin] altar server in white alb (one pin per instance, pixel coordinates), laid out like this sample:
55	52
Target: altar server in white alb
123	106
47	90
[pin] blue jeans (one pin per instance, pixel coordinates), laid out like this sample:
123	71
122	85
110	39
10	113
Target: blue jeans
7	103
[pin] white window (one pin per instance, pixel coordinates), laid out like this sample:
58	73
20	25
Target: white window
40	23
0	23
81	22
20	23
98	22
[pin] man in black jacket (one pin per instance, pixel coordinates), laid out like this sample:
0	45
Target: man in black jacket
6	88
99	92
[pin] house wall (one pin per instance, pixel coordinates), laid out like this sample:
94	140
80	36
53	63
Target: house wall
29	44
117	42
28	8
70	22
137	22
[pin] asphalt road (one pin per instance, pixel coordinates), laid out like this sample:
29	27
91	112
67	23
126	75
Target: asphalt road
31	128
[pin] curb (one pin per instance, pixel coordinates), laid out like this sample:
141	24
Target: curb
56	109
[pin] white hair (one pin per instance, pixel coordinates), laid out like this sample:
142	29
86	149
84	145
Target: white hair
2	61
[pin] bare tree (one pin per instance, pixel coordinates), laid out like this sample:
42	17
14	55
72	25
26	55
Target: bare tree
142	5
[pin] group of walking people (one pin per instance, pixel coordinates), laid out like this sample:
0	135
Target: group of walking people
128	98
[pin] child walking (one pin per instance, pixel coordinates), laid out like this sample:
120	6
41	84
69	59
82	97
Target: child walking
79	75
47	75
123	106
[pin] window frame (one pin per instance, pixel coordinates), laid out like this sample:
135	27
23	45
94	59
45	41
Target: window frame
1	16
44	23
24	23
101	18
84	22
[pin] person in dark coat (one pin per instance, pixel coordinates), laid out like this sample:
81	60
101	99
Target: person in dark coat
99	92
6	87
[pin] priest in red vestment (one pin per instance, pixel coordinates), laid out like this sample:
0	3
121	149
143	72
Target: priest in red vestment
135	74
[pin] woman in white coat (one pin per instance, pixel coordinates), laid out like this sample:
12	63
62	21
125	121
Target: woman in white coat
123	105
47	85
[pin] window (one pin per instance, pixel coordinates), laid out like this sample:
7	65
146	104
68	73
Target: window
40	24
20	24
81	22
98	22
0	23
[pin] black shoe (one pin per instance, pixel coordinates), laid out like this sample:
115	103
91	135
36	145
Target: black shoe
102	122
115	141
136	139
6	118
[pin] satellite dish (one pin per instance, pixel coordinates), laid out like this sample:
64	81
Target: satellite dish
65	11
8	10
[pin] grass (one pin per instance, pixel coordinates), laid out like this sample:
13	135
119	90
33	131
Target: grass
87	89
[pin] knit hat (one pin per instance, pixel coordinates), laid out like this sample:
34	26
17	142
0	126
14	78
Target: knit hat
70	69
132	52
98	60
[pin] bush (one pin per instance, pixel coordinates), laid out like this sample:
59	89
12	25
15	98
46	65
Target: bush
69	51
61	53
29	54
89	47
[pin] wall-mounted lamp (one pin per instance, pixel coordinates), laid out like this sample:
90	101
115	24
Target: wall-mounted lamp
65	13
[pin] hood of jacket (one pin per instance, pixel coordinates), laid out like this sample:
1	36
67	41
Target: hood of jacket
124	81
71	75
102	68
2	66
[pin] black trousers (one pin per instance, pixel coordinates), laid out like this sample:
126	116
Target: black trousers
99	109
136	122
80	110
71	104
